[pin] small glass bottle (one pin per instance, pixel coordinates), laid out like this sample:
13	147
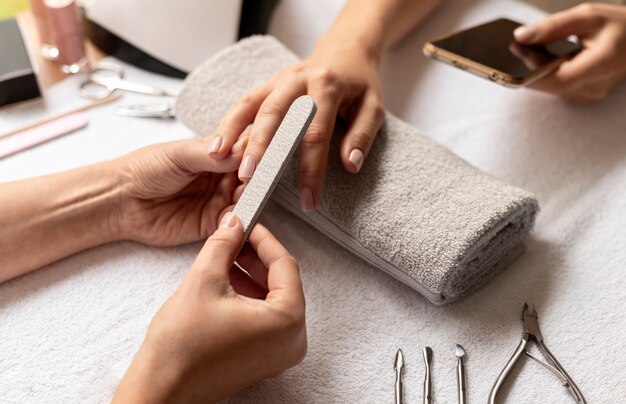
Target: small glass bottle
67	31
47	47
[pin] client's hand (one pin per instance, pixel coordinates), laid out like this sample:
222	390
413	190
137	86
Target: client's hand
211	338
166	194
600	66
343	80
174	193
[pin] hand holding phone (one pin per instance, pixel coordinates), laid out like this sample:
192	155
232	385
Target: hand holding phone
491	51
599	67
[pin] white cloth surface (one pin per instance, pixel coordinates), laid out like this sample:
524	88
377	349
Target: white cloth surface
69	331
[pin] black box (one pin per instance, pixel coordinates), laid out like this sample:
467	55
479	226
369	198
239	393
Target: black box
18	81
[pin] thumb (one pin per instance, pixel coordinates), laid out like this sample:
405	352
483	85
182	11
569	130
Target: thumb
575	21
220	250
193	156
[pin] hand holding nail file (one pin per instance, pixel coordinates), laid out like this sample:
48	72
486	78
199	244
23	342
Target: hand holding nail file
274	161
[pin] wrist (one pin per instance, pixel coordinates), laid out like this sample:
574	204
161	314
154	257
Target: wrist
362	47
149	379
96	203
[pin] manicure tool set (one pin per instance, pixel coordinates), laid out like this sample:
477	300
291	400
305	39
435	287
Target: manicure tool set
106	79
530	332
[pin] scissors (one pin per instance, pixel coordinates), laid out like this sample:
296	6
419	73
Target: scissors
106	78
532	333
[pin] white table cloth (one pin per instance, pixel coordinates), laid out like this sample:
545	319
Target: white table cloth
69	331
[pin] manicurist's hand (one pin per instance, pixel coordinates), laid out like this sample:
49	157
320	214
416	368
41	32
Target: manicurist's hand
219	332
341	75
599	67
165	194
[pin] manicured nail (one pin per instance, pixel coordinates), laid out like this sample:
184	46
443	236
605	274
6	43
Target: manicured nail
306	200
356	158
247	167
215	144
239	145
229	220
524	33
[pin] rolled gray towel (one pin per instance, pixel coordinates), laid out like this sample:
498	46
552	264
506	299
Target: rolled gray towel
415	210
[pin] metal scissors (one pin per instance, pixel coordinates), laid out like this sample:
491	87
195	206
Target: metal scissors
532	332
106	78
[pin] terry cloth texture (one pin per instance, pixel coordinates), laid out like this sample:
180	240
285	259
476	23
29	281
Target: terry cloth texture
415	210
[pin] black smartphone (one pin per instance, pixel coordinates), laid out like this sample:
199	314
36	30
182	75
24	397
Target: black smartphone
490	51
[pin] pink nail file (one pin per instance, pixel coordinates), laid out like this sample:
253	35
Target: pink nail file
39	134
274	161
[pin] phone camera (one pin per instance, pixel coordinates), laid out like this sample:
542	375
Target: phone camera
493	77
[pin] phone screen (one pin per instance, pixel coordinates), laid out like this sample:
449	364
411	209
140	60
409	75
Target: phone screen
493	45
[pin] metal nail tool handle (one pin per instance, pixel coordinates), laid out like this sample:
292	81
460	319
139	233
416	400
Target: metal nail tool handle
460	374
519	351
428	385
399	368
399	392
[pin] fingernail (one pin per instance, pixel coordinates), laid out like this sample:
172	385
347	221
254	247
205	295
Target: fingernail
356	158
229	220
524	33
215	145
306	200
239	145
247	167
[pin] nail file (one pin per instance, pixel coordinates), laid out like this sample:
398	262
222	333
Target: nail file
274	161
39	134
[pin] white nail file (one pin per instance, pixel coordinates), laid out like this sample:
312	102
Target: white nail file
274	161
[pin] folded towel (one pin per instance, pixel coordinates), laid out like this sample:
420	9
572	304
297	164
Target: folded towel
415	210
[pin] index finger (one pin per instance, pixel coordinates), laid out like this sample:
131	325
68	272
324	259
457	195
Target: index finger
283	278
267	121
571	73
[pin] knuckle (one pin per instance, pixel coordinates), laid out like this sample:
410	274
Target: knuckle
219	240
271	106
315	136
256	143
256	148
291	320
291	261
326	77
378	110
244	101
588	8
360	138
296	69
312	174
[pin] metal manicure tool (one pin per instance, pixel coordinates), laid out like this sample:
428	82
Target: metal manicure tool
105	78
163	110
460	374
428	384
532	332
399	368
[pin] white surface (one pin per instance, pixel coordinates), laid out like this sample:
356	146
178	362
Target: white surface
69	331
181	33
